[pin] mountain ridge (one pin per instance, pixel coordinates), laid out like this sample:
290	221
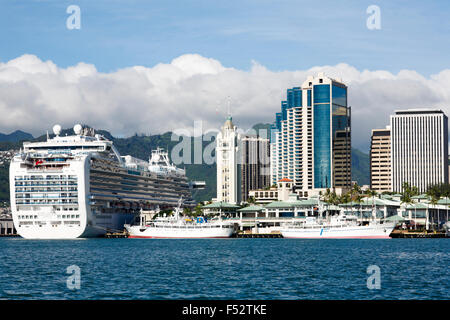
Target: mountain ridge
15	136
140	146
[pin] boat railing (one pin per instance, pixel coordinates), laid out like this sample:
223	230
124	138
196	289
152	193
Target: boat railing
315	226
187	226
266	218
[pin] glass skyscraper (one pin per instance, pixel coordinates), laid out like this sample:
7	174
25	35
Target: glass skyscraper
310	138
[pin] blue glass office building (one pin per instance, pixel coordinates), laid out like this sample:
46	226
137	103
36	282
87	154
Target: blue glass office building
311	136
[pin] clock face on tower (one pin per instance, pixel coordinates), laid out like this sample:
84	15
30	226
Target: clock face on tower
225	155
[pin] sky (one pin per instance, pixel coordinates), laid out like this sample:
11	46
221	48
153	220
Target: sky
155	66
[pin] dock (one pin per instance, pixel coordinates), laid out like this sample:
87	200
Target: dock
257	235
7	227
416	235
406	234
116	235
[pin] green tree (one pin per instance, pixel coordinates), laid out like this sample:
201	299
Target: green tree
356	197
440	190
433	201
197	210
407	193
434	193
251	200
187	212
372	193
326	197
344	198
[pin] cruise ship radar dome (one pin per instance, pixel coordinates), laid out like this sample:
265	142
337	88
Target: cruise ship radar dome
57	129
77	129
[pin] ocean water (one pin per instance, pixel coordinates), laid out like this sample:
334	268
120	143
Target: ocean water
224	269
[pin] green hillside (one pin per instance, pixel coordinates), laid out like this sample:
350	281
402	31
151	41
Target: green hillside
360	167
15	136
139	146
4	183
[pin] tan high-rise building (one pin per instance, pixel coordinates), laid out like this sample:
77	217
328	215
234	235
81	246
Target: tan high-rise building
380	160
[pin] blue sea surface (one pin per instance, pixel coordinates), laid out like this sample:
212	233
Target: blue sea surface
224	268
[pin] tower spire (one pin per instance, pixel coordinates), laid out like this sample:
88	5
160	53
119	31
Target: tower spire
229	108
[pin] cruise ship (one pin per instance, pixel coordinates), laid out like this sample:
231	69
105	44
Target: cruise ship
79	186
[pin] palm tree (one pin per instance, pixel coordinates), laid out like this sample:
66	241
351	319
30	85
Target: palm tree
406	197
434	194
356	196
327	199
407	201
187	212
331	198
415	192
372	193
344	198
327	195
198	210
434	200
351	200
359	200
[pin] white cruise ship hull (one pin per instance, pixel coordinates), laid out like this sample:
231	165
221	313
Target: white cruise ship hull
61	232
179	233
377	231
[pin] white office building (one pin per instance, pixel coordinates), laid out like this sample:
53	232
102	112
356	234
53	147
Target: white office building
419	146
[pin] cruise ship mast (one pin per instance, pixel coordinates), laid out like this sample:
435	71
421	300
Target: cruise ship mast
159	162
178	208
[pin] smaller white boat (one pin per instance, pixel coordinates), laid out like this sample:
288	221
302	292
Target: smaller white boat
176	227
338	227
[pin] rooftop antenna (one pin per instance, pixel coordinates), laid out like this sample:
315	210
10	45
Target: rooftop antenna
218	106
229	108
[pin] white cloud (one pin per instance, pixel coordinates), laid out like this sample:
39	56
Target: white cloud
36	94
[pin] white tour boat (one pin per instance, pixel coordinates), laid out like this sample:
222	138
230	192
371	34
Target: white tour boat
338	227
178	227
